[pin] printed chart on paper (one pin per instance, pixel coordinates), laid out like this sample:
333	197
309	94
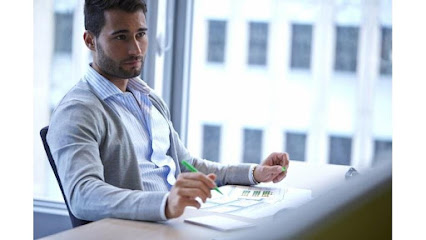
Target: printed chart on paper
245	201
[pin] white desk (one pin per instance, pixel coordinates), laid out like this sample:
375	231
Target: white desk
318	178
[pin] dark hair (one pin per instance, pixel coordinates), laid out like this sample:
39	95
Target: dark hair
94	19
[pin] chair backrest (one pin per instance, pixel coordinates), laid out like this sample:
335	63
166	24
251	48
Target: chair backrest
75	221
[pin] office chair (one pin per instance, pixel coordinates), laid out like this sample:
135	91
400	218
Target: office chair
75	221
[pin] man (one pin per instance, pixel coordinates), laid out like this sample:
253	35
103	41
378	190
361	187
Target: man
111	137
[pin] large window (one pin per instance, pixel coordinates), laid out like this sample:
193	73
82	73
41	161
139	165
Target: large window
278	108
59	59
62	65
254	107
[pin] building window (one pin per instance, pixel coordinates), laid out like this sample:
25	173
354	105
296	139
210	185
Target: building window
211	142
386	52
295	144
382	151
216	44
252	152
63	32
258	43
346	49
340	150
301	45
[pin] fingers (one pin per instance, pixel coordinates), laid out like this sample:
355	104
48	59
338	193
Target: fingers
186	190
194	185
176	204
267	173
270	173
277	158
192	193
212	176
273	170
280	177
281	159
190	203
286	158
285	162
200	177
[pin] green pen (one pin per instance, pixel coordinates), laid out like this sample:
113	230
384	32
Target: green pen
193	169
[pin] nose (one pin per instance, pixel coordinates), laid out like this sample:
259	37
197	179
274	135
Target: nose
136	47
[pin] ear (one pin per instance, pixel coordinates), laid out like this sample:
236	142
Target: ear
89	40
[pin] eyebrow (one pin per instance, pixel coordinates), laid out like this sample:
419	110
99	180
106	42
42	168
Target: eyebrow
127	31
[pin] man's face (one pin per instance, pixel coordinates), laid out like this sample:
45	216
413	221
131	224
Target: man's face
121	45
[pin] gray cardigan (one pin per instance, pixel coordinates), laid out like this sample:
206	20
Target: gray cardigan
97	164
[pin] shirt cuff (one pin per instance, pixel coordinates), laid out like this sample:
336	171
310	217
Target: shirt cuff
163	207
251	175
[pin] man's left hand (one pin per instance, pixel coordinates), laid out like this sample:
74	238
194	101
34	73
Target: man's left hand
271	168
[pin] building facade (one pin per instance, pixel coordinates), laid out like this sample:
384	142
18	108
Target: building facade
313	78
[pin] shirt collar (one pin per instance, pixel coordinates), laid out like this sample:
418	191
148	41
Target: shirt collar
106	88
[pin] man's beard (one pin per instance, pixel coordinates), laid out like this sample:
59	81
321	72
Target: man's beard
113	68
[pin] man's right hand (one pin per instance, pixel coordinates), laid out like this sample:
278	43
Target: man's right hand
187	188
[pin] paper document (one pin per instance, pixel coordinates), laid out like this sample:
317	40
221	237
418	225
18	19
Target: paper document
256	193
219	222
254	201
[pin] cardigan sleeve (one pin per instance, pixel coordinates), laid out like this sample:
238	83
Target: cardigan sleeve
75	133
225	173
